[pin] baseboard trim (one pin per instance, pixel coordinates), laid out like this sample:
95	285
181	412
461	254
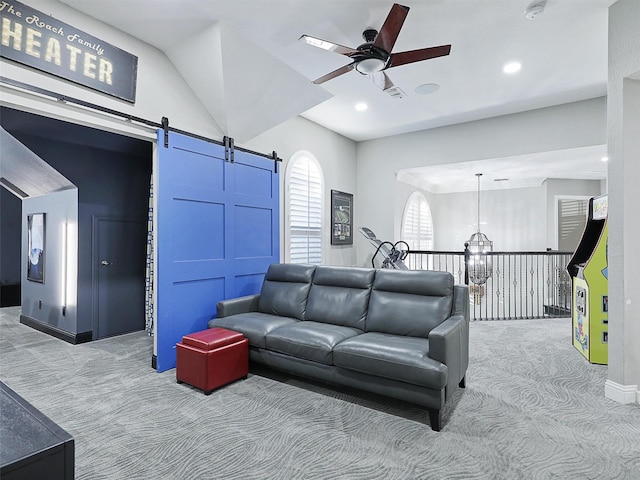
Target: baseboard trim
621	393
73	338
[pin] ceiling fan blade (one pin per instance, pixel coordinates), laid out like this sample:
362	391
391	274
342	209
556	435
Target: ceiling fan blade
381	80
412	56
325	45
390	30
335	73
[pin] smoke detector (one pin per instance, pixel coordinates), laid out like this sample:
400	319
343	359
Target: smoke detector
534	9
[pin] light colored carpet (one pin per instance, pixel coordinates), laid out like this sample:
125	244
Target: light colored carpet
533	409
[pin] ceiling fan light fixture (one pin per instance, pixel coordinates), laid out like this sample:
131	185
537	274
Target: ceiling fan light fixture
316	42
370	65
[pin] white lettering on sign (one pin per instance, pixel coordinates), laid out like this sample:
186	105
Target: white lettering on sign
16	37
77	38
40	41
32	43
52	54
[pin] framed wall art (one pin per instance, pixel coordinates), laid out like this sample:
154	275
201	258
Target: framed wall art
341	218
36	245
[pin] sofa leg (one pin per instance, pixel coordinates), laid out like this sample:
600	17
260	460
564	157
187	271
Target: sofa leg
435	418
462	383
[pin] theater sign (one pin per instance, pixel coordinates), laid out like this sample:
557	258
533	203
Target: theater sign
40	41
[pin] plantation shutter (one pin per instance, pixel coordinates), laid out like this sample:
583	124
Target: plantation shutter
305	212
572	218
417	226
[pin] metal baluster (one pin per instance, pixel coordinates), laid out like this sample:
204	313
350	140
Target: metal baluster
531	292
517	284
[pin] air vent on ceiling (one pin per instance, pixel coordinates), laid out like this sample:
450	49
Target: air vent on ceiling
395	92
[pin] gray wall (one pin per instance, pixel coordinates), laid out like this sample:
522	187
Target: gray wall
337	157
516	219
60	208
555	188
561	127
624	174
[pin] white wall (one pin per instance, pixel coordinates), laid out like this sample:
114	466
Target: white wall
561	127
337	157
623	115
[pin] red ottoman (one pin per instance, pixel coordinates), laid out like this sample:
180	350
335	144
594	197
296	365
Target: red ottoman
212	358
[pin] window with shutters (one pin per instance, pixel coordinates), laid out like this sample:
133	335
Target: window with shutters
572	218
417	228
305	213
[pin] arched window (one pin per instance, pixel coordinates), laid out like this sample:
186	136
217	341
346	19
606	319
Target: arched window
417	228
305	201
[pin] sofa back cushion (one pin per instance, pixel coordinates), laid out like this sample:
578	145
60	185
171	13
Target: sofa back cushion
409	303
340	295
285	290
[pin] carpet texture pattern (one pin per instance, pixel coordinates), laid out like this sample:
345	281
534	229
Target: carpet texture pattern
533	408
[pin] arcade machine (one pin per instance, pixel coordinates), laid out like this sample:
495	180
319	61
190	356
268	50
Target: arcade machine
589	275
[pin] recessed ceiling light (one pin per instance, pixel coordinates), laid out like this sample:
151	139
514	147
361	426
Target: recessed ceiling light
512	67
427	88
605	159
361	107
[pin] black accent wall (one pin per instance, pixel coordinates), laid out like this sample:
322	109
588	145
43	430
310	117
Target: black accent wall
112	173
10	238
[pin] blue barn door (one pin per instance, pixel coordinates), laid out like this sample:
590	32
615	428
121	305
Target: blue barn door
217	232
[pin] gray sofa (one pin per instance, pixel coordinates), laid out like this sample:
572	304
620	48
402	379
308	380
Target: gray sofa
399	333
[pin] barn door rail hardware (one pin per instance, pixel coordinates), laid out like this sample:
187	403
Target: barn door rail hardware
164	123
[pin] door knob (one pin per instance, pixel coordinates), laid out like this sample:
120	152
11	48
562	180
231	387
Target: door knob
104	263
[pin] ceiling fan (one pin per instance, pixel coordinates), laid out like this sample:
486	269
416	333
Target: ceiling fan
374	56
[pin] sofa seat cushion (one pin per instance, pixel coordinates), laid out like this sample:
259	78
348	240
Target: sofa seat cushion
309	340
391	356
253	325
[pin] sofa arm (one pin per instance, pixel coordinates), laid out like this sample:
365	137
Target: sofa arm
449	344
234	306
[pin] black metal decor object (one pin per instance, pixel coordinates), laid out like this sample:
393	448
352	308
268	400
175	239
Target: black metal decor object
274	155
165	127
227	148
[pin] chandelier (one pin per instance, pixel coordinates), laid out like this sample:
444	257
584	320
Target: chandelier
480	265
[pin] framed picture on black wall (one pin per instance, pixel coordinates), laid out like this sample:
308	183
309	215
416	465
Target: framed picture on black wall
341	218
36	241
